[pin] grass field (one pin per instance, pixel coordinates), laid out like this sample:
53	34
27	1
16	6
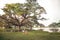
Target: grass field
32	35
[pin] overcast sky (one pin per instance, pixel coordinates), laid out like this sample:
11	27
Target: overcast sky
52	8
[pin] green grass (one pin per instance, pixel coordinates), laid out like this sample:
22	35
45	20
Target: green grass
32	35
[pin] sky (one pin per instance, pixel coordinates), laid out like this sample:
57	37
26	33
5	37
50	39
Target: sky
52	8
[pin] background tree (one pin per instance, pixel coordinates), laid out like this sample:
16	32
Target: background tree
54	27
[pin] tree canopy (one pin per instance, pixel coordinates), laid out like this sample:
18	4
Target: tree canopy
26	14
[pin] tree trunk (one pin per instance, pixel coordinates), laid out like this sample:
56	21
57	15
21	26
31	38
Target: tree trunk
30	28
19	29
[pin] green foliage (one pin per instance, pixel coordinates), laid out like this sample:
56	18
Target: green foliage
14	8
55	24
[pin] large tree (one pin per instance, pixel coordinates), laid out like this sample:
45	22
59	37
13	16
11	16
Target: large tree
26	14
